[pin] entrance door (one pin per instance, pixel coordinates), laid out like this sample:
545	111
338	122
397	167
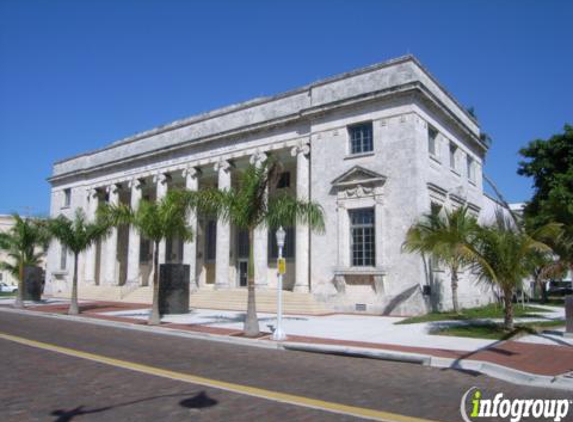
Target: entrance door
243	272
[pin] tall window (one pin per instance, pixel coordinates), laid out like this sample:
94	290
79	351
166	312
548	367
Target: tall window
471	169
361	138
211	241
432	139
453	152
67	197
362	237
243	244
289	247
64	257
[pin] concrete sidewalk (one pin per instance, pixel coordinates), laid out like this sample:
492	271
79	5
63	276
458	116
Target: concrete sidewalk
542	360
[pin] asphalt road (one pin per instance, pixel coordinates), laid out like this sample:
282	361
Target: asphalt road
45	385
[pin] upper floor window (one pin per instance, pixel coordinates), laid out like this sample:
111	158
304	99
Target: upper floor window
64	257
243	244
67	197
288	248
361	138
362	237
432	140
453	153
211	241
471	169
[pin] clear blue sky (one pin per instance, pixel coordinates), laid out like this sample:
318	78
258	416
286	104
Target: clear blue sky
77	75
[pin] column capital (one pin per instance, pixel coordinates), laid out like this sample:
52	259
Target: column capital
301	148
113	188
136	183
191	171
92	192
258	158
162	178
223	165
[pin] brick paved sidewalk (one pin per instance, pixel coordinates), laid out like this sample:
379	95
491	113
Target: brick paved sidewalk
536	359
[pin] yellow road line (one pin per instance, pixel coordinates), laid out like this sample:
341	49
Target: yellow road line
276	396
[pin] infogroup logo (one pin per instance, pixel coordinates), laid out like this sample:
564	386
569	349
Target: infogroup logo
474	407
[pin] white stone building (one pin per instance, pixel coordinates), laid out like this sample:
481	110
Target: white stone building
375	147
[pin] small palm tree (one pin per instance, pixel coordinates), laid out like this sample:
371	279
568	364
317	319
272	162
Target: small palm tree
251	206
444	236
77	235
25	243
156	221
503	255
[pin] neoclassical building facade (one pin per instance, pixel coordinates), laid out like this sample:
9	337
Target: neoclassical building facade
376	147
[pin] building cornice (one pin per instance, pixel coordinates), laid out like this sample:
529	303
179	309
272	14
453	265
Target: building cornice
301	110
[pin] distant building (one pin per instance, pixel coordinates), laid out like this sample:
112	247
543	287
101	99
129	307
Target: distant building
376	147
6	223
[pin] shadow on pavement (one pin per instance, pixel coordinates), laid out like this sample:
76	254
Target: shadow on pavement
199	401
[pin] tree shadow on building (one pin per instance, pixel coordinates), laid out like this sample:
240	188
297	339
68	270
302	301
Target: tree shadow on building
399	299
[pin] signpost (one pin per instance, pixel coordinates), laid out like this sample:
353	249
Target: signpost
278	334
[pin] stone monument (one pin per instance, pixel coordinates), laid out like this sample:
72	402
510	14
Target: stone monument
174	289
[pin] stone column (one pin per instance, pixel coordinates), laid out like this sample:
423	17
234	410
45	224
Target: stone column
162	185
223	168
134	241
90	255
302	154
110	276
260	238
191	175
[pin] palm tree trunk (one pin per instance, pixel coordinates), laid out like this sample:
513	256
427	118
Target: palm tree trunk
19	302
251	321
74	308
155	317
508	310
455	279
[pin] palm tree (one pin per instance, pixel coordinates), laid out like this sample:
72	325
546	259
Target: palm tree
156	221
445	238
25	244
503	255
77	235
255	205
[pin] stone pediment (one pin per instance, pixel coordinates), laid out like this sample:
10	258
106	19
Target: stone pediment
358	175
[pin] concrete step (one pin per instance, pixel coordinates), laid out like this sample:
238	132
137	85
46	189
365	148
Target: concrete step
236	299
232	299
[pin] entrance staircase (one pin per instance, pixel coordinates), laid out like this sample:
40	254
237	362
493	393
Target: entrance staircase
236	300
231	299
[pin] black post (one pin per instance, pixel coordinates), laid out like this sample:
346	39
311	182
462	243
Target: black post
569	316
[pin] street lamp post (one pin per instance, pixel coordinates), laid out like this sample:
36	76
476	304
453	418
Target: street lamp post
279	334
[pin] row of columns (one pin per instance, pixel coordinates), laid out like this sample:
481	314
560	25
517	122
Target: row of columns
110	274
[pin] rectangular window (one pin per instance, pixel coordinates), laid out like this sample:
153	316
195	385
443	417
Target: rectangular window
361	138
243	244
453	152
64	257
471	169
432	139
67	197
289	247
362	237
145	250
211	241
284	180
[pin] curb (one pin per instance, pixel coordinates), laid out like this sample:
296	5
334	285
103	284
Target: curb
504	373
148	329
